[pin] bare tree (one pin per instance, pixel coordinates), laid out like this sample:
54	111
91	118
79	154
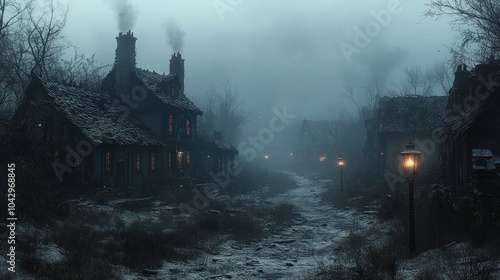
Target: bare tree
444	77
12	17
431	81
225	111
363	98
45	38
81	70
418	82
478	25
31	42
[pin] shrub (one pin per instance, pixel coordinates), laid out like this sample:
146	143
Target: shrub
147	245
360	260
85	256
468	263
284	213
243	228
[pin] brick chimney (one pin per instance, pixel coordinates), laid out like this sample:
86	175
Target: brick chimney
124	61
177	68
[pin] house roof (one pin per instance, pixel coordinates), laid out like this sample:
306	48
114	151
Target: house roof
463	114
93	114
410	113
317	133
208	136
154	82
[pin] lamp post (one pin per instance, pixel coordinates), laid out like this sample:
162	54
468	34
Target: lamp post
266	158
410	166
340	161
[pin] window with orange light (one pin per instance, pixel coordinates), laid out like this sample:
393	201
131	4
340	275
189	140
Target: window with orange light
137	161
169	161
179	159
77	162
188	127
153	161
107	161
188	157
170	124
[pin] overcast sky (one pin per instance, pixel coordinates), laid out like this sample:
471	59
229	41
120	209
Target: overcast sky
282	52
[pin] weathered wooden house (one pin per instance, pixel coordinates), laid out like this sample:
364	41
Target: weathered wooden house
396	121
139	128
472	127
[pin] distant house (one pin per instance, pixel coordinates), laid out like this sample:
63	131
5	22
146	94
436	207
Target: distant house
141	125
316	143
398	120
472	126
213	153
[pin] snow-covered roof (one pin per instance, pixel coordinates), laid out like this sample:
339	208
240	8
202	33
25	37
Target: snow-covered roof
473	99
486	153
155	83
93	114
410	113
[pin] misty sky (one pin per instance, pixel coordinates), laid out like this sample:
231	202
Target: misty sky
282	52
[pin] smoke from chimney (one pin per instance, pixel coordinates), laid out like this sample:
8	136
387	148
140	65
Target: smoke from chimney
126	14
175	36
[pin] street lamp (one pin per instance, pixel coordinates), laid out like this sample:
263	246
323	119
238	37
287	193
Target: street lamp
410	166
266	158
340	161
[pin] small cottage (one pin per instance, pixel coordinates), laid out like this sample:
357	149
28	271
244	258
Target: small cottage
398	120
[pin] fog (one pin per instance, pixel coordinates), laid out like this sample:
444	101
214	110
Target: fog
278	53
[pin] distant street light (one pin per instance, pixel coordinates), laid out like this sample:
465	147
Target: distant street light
340	161
266	158
410	167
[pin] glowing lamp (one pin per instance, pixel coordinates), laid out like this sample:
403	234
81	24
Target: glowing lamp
340	161
410	159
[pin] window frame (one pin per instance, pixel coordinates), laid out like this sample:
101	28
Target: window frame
138	162
170	124
152	161
107	162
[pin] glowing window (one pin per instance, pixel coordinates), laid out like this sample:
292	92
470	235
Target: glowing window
170	124
107	161
188	157
179	159
77	161
169	161
138	161
188	127
153	162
